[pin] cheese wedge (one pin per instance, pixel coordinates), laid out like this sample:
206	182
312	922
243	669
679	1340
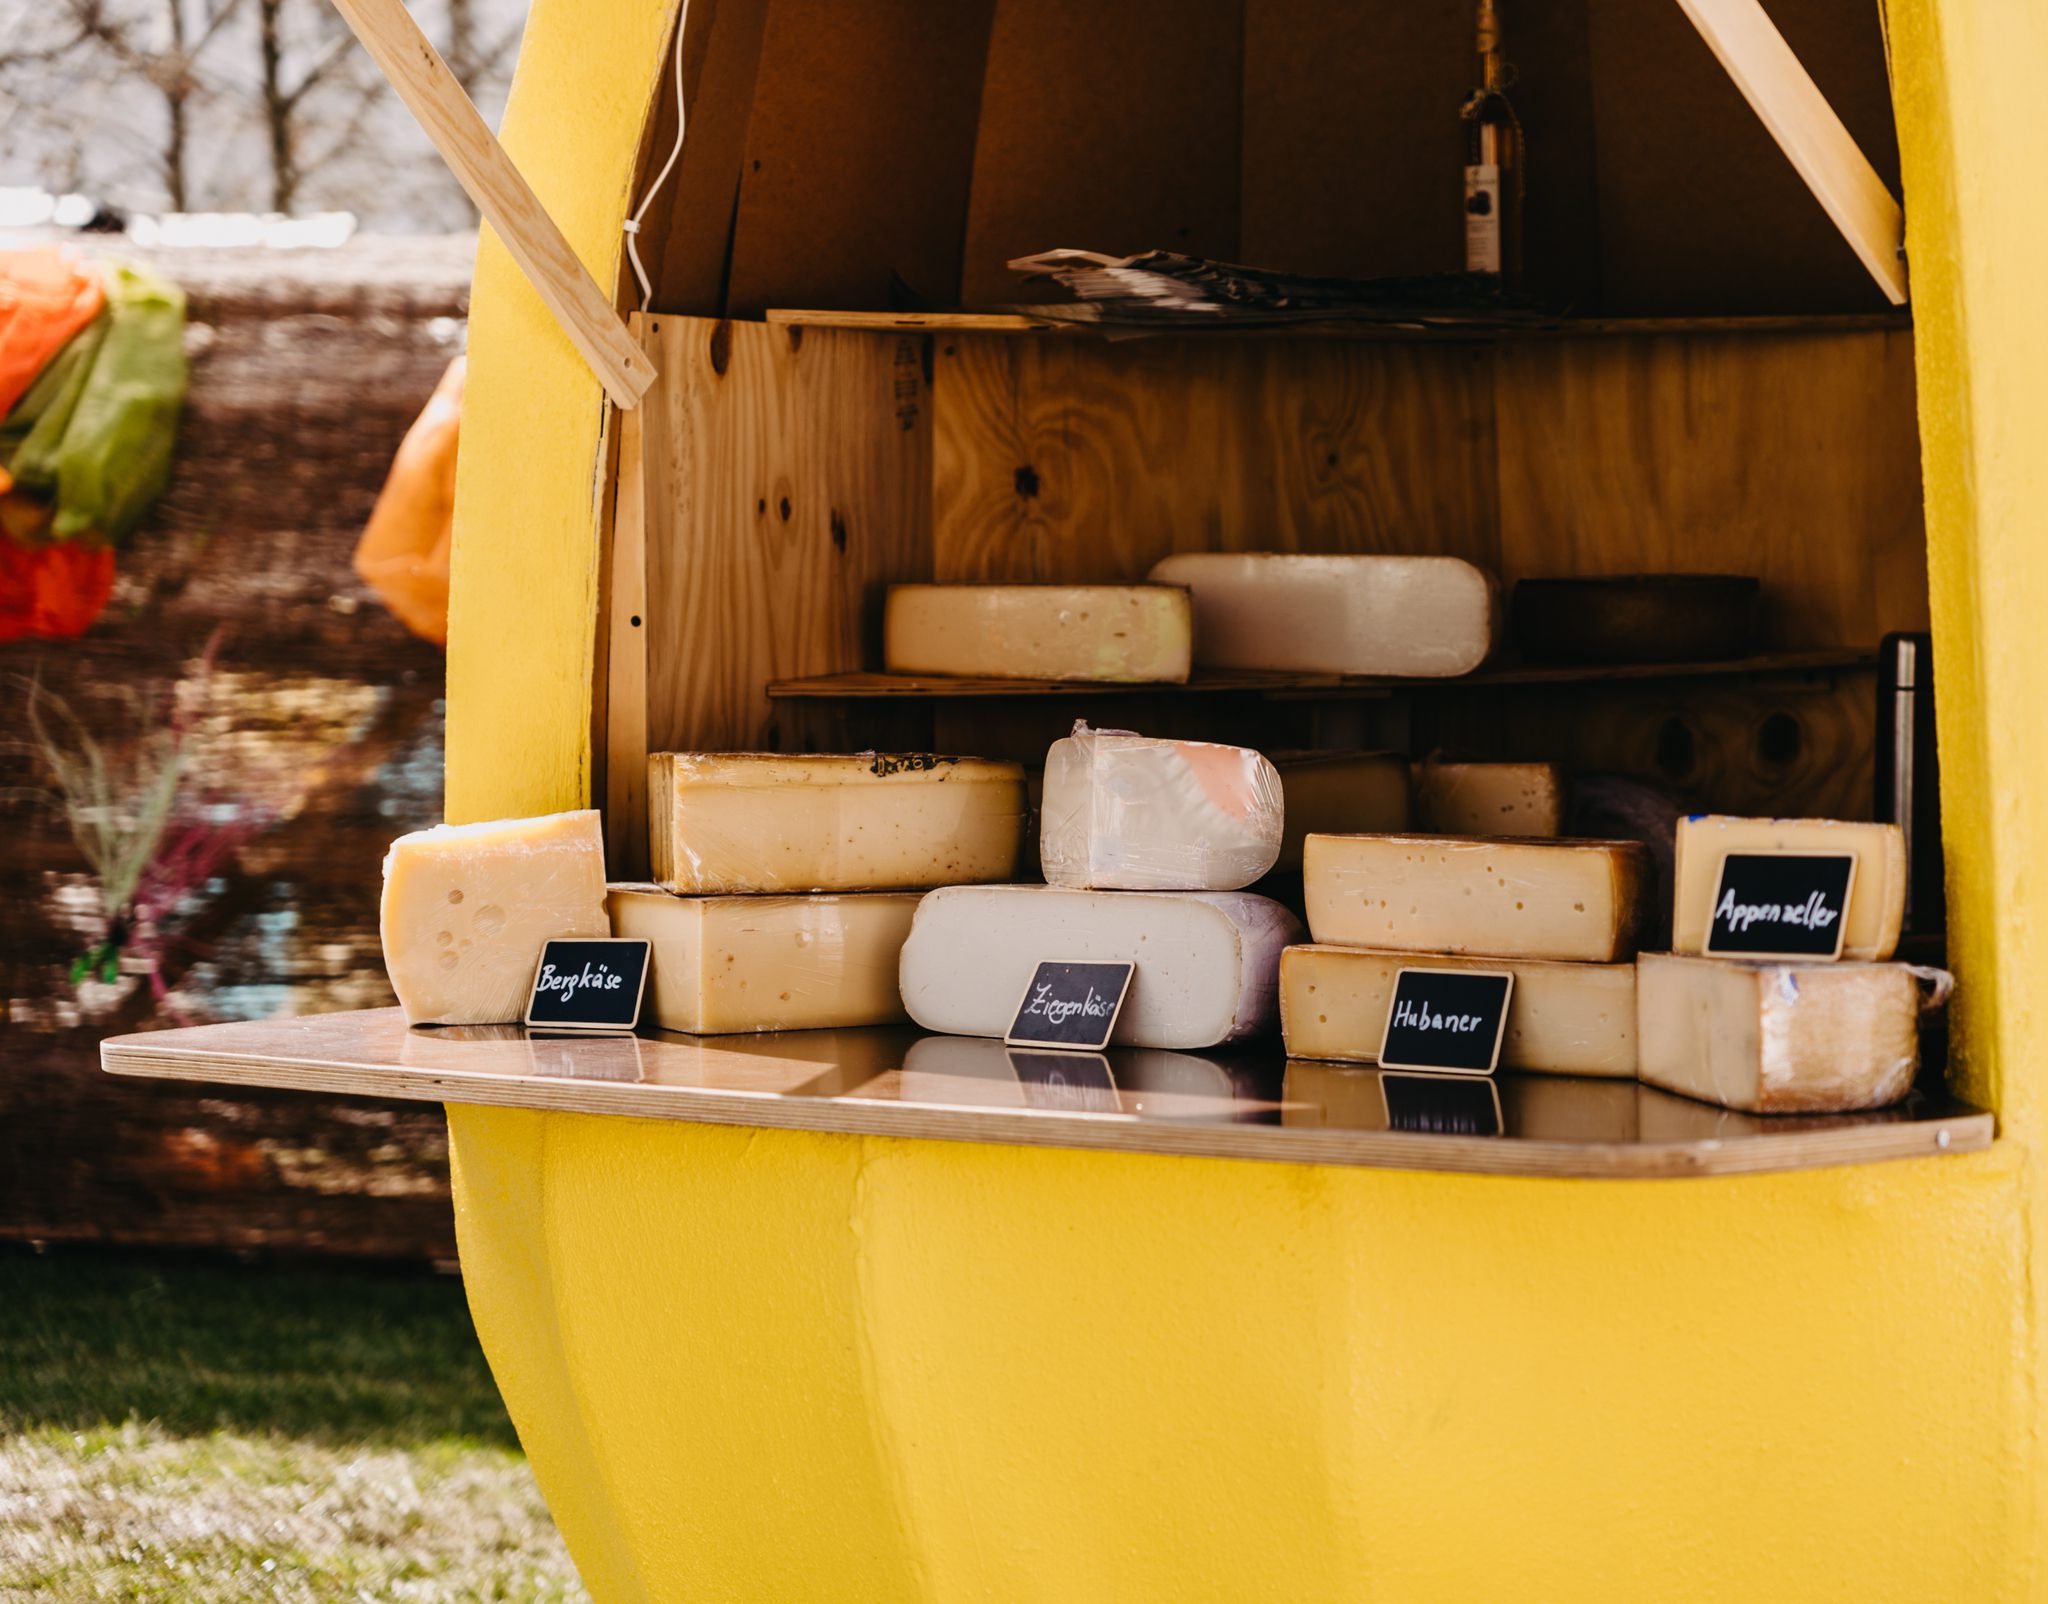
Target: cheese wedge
728	964
1124	811
1208	961
1774	1038
1563	1019
467	908
1489	798
1422	617
1573	901
723	822
1877	894
1140	633
1339	793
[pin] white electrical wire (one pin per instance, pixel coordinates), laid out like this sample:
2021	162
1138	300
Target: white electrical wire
632	224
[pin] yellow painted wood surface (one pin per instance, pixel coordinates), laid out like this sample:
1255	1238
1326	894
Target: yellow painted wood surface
761	1365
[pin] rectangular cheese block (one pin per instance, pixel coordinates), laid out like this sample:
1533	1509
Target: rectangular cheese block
1207	961
1780	1037
1573	901
1339	793
467	908
725	964
1563	1019
1453	798
1877	894
722	822
1421	617
1127	812
1140	633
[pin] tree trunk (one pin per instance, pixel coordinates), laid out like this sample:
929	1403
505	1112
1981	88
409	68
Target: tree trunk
278	110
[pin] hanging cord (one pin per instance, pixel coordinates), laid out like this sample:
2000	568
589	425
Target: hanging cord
632	224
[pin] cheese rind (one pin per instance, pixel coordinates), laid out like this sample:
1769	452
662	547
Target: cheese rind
1208	961
1135	633
1563	1019
1877	894
1339	793
1420	617
1127	812
1453	798
1572	901
467	908
1775	1038
727	822
740	964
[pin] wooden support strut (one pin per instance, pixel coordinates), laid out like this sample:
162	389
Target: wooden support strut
1782	93
502	195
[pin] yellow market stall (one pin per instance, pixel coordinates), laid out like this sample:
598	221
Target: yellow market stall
775	1356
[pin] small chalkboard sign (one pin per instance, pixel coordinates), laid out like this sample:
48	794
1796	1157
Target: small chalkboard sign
1071	1005
1448	1019
1781	905
1442	1105
1078	1083
588	983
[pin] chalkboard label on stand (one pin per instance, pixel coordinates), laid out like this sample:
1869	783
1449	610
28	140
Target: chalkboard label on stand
1447	1019
1074	1083
588	983
1071	1005
1781	905
1442	1105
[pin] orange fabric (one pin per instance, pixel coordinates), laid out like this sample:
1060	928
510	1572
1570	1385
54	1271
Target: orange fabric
403	555
46	297
52	592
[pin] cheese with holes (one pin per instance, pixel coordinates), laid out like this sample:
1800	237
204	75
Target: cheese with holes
1125	811
467	908
1422	617
726	964
1778	1038
1877	891
1454	798
1072	632
1339	793
1207	961
1563	1018
1573	901
722	822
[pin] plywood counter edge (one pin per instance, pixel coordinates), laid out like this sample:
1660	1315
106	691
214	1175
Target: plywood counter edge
137	1056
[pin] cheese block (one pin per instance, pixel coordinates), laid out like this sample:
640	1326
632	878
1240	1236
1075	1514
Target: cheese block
1774	1038
1877	893
1073	632
1125	811
1424	617
1574	901
727	964
1563	1019
1339	793
1453	798
467	908
721	822
1208	961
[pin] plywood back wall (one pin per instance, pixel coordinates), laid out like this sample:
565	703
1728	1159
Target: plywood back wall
900	153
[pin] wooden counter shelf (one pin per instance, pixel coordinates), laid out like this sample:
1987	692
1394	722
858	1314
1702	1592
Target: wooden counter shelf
1249	1105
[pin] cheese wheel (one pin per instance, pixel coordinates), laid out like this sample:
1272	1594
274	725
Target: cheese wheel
1140	633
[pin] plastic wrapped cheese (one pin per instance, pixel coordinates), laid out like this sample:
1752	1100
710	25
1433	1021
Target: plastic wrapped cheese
723	822
468	907
1128	812
1424	617
1207	961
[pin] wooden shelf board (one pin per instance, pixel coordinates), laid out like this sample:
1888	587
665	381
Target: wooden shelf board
896	1082
867	687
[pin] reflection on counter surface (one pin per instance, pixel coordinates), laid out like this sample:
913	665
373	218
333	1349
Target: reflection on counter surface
897	1081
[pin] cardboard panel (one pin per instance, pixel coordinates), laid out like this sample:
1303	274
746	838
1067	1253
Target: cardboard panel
1106	127
858	155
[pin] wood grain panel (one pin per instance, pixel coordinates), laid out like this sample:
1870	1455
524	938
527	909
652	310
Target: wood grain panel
1792	458
1090	460
788	482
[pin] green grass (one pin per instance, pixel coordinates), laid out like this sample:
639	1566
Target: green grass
194	1432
